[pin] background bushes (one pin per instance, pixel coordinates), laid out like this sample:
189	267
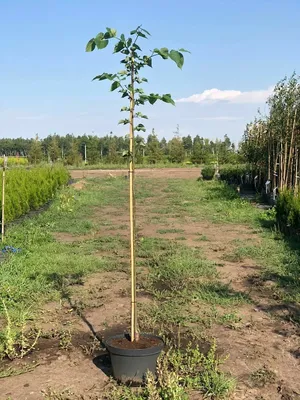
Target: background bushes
234	174
15	161
29	189
208	172
288	211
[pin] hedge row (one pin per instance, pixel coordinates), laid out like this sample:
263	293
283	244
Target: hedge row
234	174
12	161
288	211
29	189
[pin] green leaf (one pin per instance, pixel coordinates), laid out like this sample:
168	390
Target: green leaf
140	115
105	76
125	94
152	98
133	32
141	34
140	127
148	61
91	45
144	80
167	99
126	153
122	37
129	41
110	33
163	52
114	85
101	44
123	121
177	57
100	36
184	51
125	108
144	30
136	47
119	46
101	77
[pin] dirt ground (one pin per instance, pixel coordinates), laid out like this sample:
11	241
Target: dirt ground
259	341
188	173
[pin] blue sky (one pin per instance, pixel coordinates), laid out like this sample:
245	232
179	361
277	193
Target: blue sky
239	48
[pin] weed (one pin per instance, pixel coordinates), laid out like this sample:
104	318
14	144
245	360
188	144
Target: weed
179	371
16	343
4	373
201	238
171	230
91	347
262	377
51	394
180	238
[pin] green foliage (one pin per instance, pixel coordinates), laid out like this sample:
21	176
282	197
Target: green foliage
270	142
208	172
54	151
153	149
35	151
234	173
288	211
15	161
29	189
128	80
176	151
73	157
109	148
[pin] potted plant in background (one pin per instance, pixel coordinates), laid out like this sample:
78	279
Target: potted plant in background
132	355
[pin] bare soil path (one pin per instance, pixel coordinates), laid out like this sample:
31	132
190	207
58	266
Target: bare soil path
180	173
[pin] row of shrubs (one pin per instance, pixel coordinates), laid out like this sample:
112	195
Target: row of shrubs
288	211
232	174
15	161
29	189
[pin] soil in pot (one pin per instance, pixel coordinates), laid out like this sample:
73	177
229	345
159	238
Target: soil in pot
144	342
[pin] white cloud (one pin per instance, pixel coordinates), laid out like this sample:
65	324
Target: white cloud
229	96
221	118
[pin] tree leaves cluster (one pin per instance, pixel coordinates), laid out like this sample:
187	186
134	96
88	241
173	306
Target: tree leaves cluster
271	143
128	81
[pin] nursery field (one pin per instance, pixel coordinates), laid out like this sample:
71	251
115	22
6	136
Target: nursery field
215	277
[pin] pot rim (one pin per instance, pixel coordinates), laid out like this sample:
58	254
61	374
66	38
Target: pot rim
134	352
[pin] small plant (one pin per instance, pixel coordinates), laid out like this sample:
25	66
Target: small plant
208	172
16	343
262	377
66	201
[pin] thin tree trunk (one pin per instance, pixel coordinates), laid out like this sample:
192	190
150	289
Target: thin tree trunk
280	175
289	168
134	330
296	180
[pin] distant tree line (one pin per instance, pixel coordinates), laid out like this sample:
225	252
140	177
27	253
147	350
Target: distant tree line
110	148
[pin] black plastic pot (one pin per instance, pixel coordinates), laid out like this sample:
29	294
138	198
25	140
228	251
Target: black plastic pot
131	365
